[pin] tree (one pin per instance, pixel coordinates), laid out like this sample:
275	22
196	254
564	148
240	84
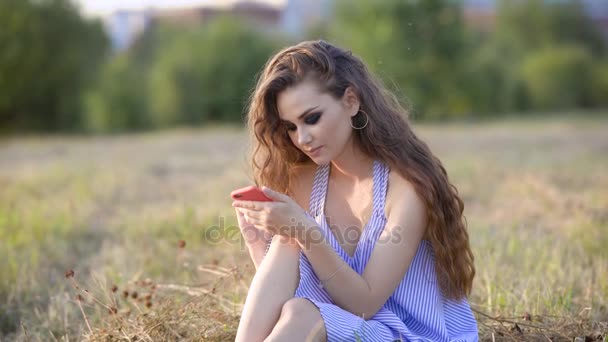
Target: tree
49	55
206	74
529	25
418	45
539	56
118	102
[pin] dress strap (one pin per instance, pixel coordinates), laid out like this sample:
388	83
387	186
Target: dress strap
381	172
321	180
319	190
378	219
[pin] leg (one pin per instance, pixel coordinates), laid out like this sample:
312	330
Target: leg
273	284
300	320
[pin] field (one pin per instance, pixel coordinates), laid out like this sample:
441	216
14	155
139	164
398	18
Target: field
145	223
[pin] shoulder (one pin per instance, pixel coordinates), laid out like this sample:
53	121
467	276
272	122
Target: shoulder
403	202
301	179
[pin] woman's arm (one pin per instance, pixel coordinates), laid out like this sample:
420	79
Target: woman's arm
256	240
363	295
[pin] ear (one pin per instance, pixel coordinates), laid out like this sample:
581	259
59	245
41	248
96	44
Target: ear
350	100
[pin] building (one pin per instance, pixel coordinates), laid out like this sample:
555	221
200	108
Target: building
299	15
292	17
125	26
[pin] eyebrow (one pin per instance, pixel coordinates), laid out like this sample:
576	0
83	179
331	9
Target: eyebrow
304	113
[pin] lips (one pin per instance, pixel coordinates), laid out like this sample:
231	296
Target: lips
314	149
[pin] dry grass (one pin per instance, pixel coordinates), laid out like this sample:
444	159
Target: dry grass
136	212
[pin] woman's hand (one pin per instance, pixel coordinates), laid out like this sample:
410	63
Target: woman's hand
283	216
251	234
256	240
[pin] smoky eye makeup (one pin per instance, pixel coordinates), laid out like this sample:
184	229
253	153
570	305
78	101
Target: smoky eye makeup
310	119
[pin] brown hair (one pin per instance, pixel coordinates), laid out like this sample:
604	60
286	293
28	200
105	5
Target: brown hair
387	137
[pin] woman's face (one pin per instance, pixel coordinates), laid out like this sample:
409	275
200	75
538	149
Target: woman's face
317	124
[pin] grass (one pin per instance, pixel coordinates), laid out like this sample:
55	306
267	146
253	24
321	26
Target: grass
135	213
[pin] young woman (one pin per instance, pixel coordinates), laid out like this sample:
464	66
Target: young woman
369	241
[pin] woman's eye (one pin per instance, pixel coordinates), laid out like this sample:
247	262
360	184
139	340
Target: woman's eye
312	119
309	120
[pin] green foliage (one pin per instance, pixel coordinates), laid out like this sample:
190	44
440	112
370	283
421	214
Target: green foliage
539	56
446	69
558	77
118	102
528	25
48	56
598	87
181	77
418	45
493	85
55	73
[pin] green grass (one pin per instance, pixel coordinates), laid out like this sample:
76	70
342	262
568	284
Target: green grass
115	208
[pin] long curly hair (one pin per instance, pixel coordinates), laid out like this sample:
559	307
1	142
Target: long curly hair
387	137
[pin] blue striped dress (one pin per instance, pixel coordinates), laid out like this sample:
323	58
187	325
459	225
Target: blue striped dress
416	311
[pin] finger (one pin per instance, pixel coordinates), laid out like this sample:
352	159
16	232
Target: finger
266	230
239	212
248	219
261	228
251	205
252	214
275	195
243	221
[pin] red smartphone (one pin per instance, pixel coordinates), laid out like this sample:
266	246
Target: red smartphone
250	193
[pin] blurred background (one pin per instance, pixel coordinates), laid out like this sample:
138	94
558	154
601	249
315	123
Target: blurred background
109	66
121	136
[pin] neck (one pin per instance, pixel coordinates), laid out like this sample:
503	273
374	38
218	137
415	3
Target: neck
352	164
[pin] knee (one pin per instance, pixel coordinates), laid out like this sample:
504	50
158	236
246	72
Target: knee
296	307
300	317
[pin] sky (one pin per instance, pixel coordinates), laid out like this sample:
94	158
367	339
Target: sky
102	7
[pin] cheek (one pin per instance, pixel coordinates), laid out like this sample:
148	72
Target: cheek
333	124
337	132
341	129
293	137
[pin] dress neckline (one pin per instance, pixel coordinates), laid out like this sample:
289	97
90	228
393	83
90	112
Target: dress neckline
366	227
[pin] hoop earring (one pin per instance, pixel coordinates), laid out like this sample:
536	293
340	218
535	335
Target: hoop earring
366	121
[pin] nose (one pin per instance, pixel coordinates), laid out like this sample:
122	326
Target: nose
304	137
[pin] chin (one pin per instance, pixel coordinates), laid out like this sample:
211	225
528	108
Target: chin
320	160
